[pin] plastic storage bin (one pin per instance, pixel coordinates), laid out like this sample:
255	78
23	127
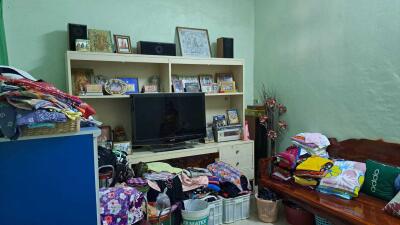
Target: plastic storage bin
321	221
236	208
216	208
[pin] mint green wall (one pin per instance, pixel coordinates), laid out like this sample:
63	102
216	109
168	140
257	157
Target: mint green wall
37	38
335	64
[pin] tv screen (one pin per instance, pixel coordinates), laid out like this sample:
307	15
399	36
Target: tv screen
167	118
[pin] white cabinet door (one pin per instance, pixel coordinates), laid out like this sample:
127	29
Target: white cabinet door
239	156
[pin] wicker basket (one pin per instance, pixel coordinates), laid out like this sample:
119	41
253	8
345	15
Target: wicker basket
70	126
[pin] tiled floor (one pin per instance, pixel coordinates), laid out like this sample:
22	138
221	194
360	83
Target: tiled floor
254	219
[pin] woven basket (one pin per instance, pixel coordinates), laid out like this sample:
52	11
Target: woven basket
70	126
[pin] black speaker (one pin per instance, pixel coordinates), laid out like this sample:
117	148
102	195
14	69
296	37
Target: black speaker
156	48
225	47
76	31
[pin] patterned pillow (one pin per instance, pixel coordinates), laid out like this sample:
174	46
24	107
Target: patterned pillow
393	207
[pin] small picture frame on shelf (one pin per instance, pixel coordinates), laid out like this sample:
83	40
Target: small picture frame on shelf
81	77
224	77
227	87
219	121
100	40
178	86
150	88
122	44
215	88
82	45
132	85
192	87
207	88
94	90
194	42
206	79
233	116
205	83
115	87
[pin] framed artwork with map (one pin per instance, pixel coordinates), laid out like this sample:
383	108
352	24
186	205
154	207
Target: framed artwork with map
194	42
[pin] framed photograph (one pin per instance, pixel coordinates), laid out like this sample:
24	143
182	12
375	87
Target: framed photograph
219	120
81	78
122	44
215	88
207	88
192	87
82	45
178	86
224	77
100	40
115	87
233	116
194	42
132	85
227	87
151	88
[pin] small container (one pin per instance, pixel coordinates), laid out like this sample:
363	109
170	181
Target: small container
267	210
236	208
295	215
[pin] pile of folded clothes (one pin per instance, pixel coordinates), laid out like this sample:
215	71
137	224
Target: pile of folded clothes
310	171
312	143
305	162
31	103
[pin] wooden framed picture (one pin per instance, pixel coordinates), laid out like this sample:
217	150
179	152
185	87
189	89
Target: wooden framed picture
100	40
233	116
194	42
227	87
122	44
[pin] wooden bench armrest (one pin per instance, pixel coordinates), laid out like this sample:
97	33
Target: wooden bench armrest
264	167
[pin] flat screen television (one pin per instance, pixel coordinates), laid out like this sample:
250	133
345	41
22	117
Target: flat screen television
167	118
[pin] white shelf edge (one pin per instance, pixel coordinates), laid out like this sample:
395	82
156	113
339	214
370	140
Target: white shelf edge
224	94
102	96
139	58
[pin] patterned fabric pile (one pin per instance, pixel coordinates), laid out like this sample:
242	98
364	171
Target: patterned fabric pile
25	102
307	163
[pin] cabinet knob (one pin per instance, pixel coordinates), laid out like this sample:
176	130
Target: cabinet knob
237	152
237	164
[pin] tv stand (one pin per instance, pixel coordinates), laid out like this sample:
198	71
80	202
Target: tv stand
169	147
239	154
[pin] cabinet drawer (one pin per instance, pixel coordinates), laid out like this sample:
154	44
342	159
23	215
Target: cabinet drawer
241	153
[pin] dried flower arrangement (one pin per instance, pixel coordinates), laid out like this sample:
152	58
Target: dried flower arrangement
271	119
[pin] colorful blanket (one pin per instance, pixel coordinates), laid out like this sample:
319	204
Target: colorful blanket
344	179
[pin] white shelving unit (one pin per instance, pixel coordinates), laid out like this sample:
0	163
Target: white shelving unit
114	110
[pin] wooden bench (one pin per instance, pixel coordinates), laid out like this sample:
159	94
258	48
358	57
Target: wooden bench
361	210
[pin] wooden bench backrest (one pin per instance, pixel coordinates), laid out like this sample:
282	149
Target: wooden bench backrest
362	149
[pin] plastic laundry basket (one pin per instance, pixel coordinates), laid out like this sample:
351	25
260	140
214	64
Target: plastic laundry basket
267	210
216	208
321	221
196	212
